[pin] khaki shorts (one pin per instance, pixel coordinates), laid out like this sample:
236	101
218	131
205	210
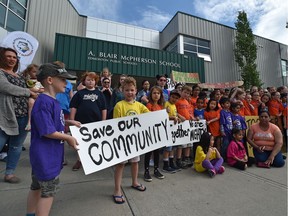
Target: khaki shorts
48	188
132	160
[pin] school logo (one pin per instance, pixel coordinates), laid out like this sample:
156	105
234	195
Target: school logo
23	46
131	113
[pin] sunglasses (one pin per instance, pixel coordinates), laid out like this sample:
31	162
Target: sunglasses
162	80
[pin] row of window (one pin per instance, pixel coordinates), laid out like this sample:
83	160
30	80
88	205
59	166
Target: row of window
13	14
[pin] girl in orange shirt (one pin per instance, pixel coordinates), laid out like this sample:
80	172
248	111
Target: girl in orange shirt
156	102
255	102
212	116
276	109
195	94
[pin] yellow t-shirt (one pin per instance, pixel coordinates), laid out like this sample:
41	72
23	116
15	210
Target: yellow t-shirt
124	108
172	109
200	157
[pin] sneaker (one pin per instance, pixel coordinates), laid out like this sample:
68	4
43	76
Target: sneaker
151	163
173	166
147	177
181	164
189	162
221	170
77	165
168	170
158	175
211	173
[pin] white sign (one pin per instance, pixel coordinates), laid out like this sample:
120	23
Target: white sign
187	132
106	143
24	44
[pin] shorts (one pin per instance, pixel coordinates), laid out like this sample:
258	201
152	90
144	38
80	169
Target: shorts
48	188
132	160
186	145
170	148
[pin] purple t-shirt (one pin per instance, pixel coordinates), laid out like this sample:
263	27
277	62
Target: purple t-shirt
46	155
226	124
238	122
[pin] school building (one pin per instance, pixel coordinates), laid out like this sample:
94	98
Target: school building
187	44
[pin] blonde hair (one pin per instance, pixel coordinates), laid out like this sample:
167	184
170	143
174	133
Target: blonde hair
128	81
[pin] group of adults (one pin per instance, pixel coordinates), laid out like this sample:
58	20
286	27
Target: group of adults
265	138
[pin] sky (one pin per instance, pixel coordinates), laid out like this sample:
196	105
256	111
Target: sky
267	18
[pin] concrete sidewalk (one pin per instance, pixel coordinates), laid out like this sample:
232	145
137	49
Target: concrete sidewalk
254	192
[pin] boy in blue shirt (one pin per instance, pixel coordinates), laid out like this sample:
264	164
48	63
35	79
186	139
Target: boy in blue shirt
226	125
47	140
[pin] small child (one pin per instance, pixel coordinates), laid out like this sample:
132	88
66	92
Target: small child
31	81
212	116
236	153
276	109
208	157
168	154
226	125
238	120
199	109
105	73
88	105
47	135
156	102
127	107
185	109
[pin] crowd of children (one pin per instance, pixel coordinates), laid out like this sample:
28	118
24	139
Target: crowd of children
223	141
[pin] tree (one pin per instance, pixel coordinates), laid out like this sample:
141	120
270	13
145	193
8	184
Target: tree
246	52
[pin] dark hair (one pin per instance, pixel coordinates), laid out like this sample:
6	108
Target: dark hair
234	132
205	141
161	100
105	78
200	98
264	110
202	94
208	105
178	84
161	75
234	105
283	95
3	62
223	100
143	81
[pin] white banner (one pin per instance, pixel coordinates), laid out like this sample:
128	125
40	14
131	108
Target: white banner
24	44
187	132
106	143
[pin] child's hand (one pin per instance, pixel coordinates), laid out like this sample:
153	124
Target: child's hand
73	122
73	142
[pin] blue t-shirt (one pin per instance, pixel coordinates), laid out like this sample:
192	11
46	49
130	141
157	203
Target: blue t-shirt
226	123
46	155
89	105
199	113
64	98
238	122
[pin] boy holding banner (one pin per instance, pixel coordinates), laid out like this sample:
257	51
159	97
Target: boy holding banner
127	107
185	109
47	139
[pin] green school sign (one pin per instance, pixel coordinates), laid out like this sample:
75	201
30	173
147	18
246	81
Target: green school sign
83	54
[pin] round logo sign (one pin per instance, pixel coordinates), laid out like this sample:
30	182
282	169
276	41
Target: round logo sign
23	46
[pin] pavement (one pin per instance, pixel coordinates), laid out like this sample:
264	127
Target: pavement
254	192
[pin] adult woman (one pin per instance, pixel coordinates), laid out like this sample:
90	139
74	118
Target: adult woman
117	94
266	140
162	82
144	92
14	110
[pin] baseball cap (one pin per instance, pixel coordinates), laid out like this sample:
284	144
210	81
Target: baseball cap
53	70
175	92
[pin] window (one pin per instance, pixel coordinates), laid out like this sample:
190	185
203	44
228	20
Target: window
17	8
2	15
284	68
4	2
197	47
173	47
16	18
14	23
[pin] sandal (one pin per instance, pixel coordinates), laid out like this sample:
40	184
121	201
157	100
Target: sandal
12	180
139	187
118	197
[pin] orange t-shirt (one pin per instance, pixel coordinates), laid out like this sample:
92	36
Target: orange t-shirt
185	109
245	109
214	127
154	107
255	104
264	138
275	107
193	101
